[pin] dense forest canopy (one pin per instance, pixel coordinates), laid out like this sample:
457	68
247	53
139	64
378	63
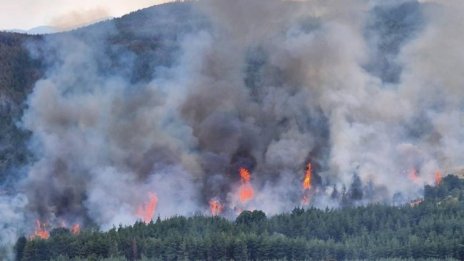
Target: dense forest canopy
431	229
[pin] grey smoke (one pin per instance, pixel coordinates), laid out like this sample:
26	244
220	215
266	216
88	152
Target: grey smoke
267	85
13	223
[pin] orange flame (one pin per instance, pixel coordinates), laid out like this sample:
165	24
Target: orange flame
216	207
307	178
245	175
413	176
438	177
246	191
76	229
147	211
307	184
40	230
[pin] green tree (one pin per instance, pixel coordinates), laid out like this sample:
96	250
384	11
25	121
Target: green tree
19	248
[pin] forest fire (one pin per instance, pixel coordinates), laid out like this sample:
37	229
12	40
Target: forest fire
438	177
147	211
413	176
40	230
307	185
307	178
215	207
246	191
416	202
76	229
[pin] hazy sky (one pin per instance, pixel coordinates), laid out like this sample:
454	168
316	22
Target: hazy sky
26	14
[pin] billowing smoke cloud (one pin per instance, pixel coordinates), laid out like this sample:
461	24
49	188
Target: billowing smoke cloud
75	19
12	223
375	107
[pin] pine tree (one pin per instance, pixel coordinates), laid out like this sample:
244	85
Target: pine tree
19	248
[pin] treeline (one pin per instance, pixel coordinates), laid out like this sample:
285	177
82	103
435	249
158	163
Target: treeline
433	229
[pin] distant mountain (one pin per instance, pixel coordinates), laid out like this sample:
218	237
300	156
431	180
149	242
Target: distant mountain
37	30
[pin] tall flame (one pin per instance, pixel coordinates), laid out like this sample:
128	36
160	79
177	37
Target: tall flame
215	207
245	175
76	229
246	191
438	177
40	230
147	211
307	177
307	184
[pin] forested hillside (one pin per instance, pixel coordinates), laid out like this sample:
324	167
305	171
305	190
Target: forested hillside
137	45
18	72
185	106
433	228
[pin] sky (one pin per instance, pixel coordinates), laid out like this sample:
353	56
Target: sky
63	14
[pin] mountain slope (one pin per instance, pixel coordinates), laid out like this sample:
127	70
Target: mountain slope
18	72
431	230
139	45
148	36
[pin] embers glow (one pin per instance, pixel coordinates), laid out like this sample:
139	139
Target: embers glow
246	191
147	211
215	207
40	230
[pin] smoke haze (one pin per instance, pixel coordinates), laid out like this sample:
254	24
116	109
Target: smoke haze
79	18
356	88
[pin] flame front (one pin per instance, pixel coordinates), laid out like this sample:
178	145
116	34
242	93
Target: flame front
76	229
147	211
307	184
307	178
40	230
438	177
246	191
215	207
413	176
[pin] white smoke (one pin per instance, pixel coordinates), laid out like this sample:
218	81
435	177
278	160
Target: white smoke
12	222
103	143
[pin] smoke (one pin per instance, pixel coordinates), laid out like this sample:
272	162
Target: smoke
79	18
432	75
266	85
12	223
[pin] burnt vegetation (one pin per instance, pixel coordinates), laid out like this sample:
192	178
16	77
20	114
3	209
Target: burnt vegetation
433	229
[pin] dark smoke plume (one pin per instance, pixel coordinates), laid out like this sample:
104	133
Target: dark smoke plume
266	85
